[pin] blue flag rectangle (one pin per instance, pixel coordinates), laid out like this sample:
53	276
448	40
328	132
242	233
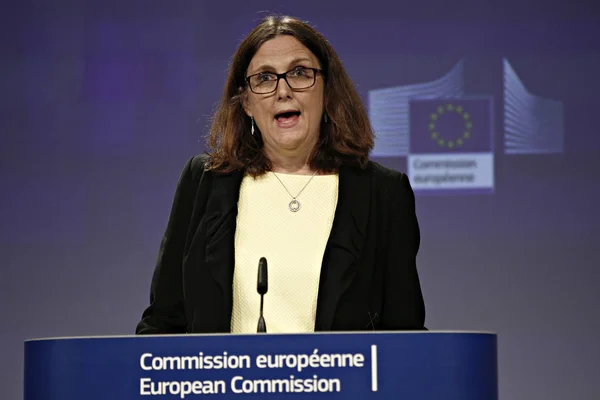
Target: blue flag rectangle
451	125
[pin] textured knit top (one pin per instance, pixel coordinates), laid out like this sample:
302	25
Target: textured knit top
293	244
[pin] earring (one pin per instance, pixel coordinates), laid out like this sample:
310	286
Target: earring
325	117
252	126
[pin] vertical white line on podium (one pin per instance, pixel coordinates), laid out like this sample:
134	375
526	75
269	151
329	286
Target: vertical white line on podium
373	367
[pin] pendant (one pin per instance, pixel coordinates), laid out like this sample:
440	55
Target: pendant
294	205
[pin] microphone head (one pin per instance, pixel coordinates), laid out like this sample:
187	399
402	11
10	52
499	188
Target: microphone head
263	282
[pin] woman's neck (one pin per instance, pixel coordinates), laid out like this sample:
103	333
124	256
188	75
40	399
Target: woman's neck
293	168
291	164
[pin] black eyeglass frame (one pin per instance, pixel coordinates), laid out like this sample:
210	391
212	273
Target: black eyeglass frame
284	76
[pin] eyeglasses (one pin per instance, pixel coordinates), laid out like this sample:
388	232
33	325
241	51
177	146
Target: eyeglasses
297	78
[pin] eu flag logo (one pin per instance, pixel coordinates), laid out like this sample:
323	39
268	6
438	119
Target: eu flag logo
451	125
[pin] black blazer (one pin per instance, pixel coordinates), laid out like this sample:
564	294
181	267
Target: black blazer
368	279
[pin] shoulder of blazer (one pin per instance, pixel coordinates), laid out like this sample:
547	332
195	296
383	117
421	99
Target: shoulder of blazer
382	172
197	166
387	179
213	193
199	177
198	172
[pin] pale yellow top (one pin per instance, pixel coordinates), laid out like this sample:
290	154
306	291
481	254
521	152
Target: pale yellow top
293	244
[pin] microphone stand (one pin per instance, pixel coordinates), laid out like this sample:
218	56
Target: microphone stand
262	326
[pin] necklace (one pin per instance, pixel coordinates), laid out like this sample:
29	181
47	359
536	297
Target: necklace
294	204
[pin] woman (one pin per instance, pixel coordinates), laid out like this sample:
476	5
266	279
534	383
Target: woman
288	178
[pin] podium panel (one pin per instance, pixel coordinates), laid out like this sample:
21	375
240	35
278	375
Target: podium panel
373	365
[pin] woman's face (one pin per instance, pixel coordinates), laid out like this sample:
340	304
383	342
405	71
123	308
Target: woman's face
289	119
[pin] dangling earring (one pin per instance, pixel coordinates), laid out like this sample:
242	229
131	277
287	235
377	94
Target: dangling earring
325	117
252	126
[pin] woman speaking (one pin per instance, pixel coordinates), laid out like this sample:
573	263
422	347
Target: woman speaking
288	177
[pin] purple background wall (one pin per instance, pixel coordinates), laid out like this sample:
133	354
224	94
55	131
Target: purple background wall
101	103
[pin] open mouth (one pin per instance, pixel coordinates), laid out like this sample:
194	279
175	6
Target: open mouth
287	116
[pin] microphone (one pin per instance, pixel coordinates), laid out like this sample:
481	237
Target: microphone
261	287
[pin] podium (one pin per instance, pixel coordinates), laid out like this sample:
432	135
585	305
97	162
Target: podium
371	365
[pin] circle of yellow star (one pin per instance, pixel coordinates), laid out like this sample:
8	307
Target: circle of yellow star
455	141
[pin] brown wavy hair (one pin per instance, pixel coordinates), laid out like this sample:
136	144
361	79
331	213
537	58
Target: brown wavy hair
345	139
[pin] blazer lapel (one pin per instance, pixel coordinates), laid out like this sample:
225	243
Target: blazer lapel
221	212
345	242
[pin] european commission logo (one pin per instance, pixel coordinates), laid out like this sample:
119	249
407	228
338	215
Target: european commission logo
447	136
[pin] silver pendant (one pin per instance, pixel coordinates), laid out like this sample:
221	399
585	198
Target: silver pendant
294	205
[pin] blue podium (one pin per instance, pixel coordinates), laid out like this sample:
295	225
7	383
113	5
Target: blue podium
372	365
